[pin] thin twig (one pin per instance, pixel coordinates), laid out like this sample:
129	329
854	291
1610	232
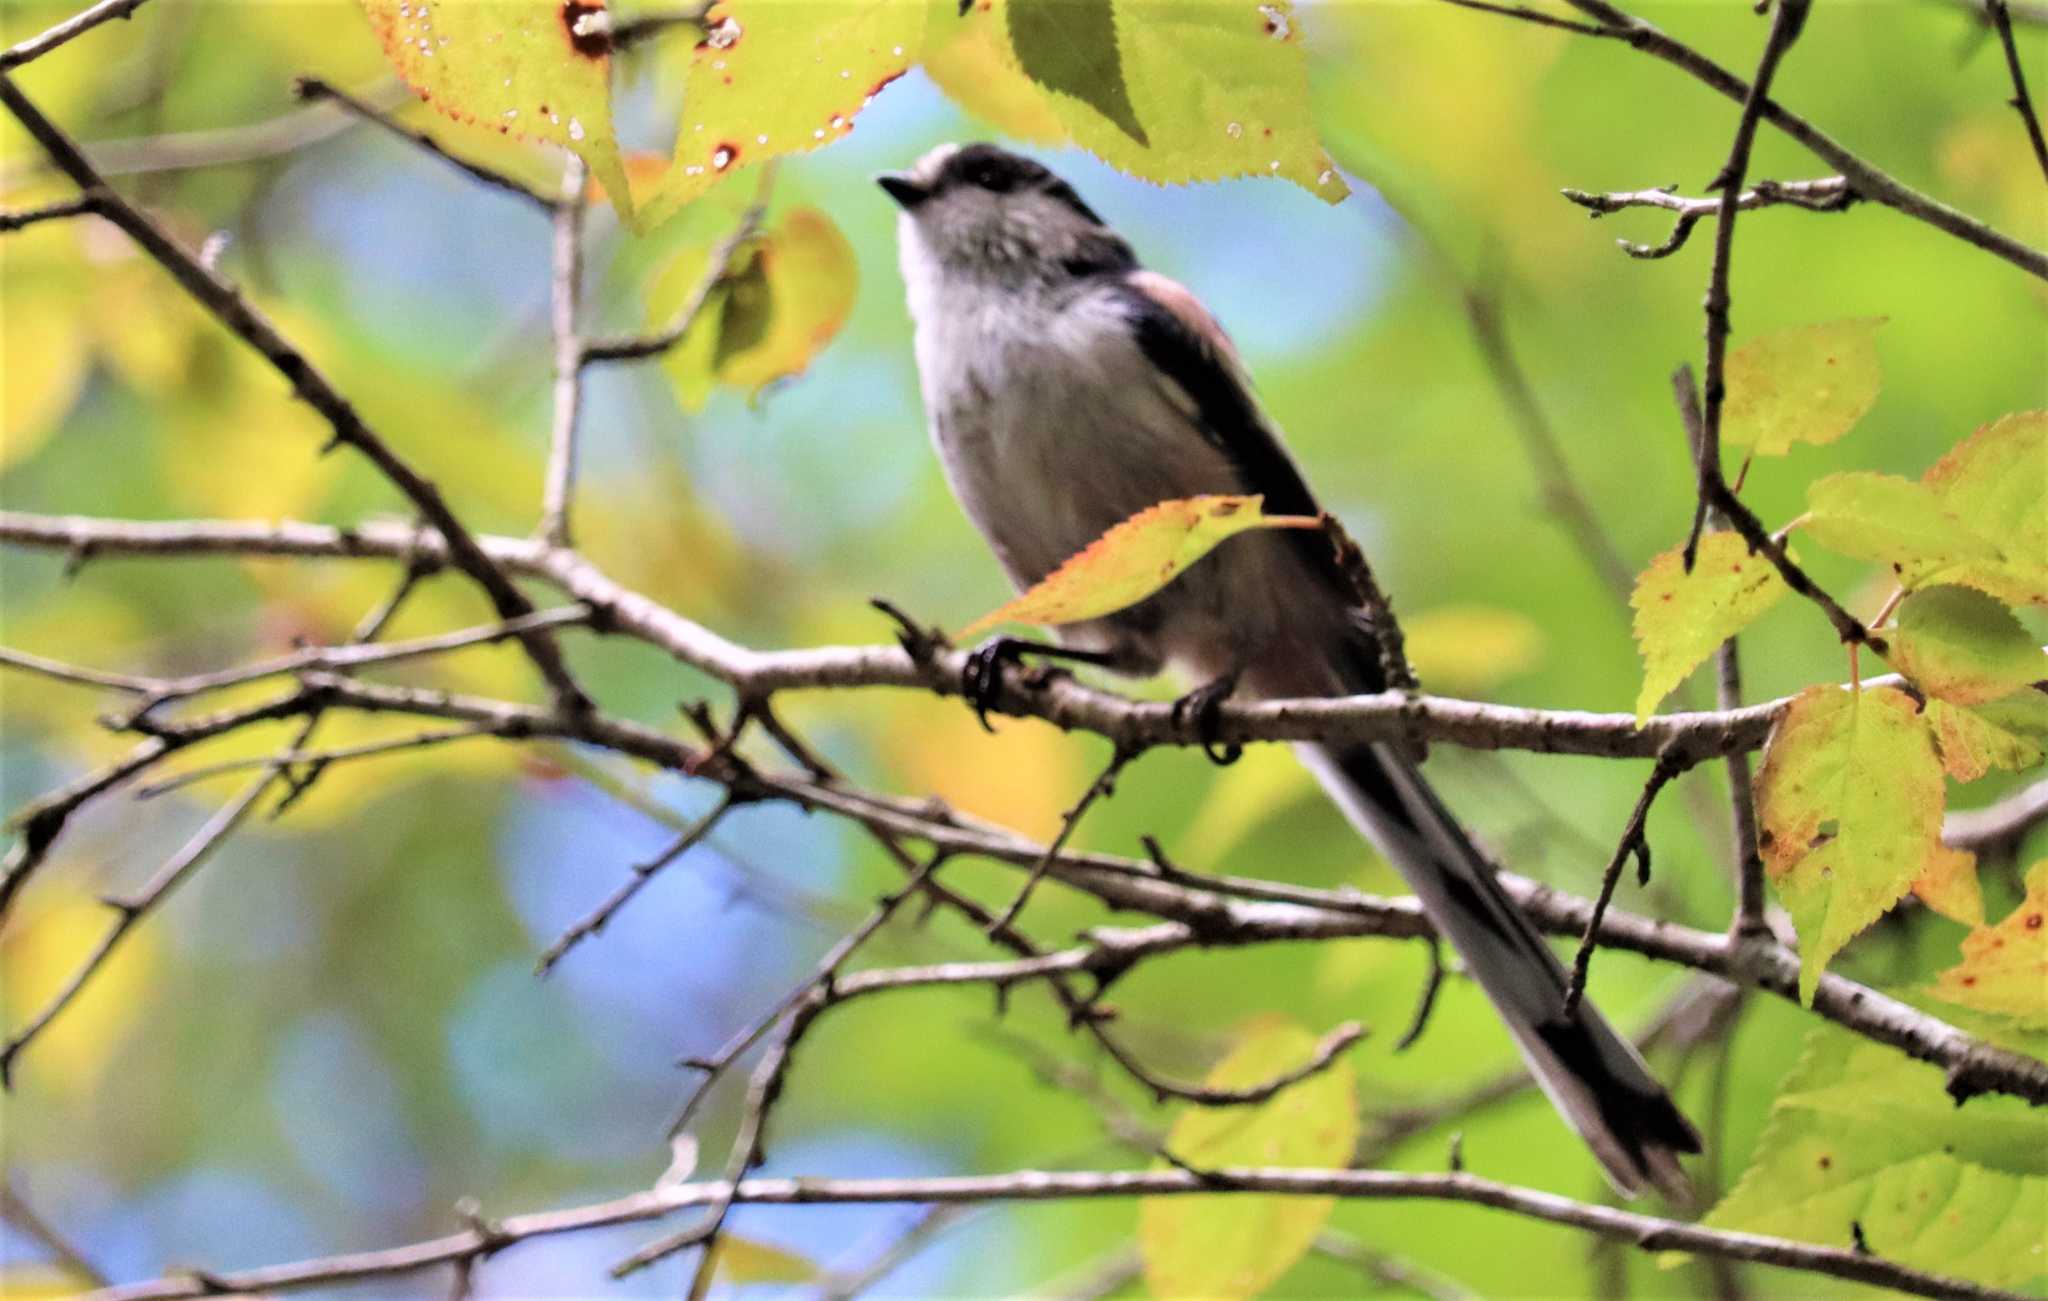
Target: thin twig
311	90
15	1209
224	300
339	754
1828	194
79	207
35	47
2023	104
642	873
1103	786
85	677
1425	1002
565	290
1632	842
715	274
1645	1232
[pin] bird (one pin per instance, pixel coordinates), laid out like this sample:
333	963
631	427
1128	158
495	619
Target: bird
1067	387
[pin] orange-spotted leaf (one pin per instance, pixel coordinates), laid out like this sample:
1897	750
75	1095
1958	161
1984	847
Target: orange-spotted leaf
1950	886
1850	800
1682	618
537	69
775	77
1237	1246
1135	559
1810	384
2005	967
1963	646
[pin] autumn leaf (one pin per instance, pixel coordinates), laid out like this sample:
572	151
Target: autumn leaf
536	69
1136	558
1865	1148
977	68
777	77
1235	1247
1809	384
1964	646
1850	799
2008	733
1950	886
1682	618
2005	967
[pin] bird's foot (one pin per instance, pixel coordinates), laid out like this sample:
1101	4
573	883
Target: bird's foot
1202	708
981	677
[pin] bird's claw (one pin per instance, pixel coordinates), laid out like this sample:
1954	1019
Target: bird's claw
981	677
1202	709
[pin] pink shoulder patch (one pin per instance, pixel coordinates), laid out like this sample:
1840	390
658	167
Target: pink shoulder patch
1186	308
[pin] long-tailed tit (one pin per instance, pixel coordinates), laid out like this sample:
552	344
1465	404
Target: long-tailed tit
1068	388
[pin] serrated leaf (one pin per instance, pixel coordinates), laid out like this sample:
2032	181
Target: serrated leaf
776	77
1234	1247
1964	646
1950	886
1136	558
1682	618
784	298
2005	733
977	68
536	69
1997	479
2005	967
1184	92
1863	1137
1897	522
1809	384
1850	800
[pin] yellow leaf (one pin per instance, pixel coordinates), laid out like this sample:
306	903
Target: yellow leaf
1136	558
1682	618
1810	384
1234	1247
2005	967
537	69
2002	734
978	71
743	1260
1950	887
1997	479
1468	650
1850	800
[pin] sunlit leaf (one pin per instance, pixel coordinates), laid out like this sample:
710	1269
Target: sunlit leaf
1234	1247
1682	618
1135	559
2006	733
1964	646
1468	650
1850	798
1809	384
537	69
2005	967
970	58
1897	522
1950	886
1997	479
784	298
1864	1138
1176	92
775	77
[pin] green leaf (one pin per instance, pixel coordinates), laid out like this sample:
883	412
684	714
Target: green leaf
1682	618
783	299
1136	558
2004	970
1964	646
976	65
1184	92
1997	479
2007	733
1217	1247
536	69
1865	1137
1850	799
776	77
1897	522
1810	384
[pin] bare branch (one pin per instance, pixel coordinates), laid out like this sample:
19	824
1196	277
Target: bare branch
85	677
565	291
312	90
2002	823
1645	1232
1103	785
1631	842
1828	194
716	271
641	874
16	1210
80	207
321	758
2000	15
35	47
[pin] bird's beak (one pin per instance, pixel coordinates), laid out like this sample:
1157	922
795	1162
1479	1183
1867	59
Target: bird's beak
902	188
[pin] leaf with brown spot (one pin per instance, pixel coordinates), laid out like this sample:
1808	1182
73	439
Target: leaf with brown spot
1850	801
2005	967
1136	558
1682	618
1808	384
536	69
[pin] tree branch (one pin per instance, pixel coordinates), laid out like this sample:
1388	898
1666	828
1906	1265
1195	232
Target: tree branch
1828	194
75	26
2023	104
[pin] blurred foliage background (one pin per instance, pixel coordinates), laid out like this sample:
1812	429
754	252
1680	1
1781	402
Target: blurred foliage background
334	1032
